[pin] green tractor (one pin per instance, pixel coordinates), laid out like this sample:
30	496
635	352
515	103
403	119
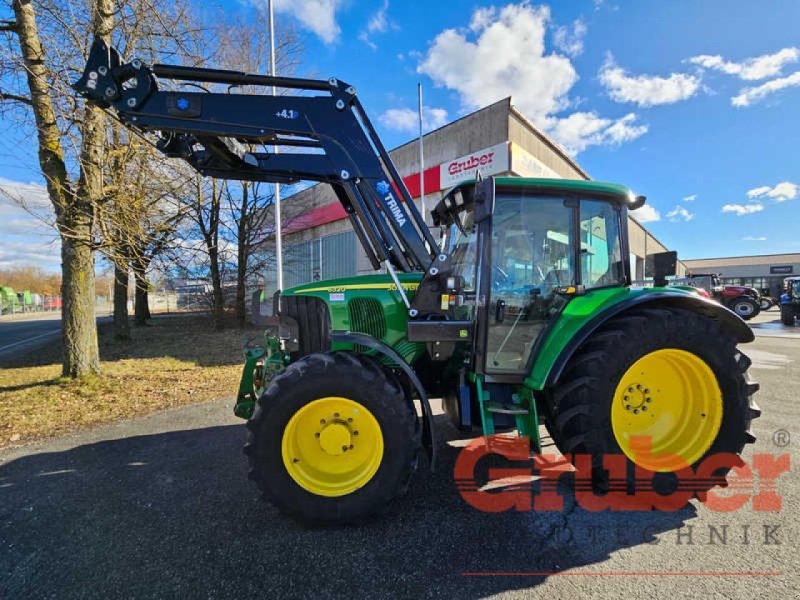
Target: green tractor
9	302
790	300
521	314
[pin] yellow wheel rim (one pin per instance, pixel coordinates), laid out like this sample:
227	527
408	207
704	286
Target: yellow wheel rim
332	446
667	410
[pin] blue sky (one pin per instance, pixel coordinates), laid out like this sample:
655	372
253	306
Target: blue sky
692	103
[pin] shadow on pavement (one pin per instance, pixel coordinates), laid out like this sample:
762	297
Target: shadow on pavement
173	514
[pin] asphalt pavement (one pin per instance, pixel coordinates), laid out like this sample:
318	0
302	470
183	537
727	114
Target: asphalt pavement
27	332
160	507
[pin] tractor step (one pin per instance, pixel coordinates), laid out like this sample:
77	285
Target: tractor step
506	409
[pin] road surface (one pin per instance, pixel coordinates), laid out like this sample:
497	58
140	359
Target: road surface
160	507
27	333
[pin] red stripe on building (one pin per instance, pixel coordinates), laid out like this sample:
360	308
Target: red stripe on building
319	216
432	182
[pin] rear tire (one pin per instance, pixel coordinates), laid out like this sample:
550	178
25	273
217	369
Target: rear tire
379	403
745	307
580	406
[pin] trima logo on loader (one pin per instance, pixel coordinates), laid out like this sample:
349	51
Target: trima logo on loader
543	327
386	191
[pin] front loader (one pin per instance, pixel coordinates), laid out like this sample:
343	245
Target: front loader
523	313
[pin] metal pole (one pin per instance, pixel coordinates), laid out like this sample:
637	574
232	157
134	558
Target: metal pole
421	159
277	188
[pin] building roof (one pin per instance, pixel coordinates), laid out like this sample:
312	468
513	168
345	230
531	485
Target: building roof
736	261
555	147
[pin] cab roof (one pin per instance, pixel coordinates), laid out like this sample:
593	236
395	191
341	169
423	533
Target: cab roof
580	186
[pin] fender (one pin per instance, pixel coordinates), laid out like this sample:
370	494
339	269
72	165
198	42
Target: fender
363	339
728	320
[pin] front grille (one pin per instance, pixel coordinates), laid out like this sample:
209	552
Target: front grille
366	316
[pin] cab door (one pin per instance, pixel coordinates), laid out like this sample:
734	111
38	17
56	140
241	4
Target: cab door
531	257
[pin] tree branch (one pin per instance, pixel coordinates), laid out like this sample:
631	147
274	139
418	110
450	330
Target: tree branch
15	98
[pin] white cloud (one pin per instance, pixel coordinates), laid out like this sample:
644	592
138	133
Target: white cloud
378	23
507	59
503	54
754	238
570	42
406	120
751	95
27	239
691	198
785	190
317	15
646	90
646	214
580	130
742	209
750	69
679	213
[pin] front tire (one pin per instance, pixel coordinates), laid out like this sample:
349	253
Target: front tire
766	303
333	439
787	315
745	307
668	374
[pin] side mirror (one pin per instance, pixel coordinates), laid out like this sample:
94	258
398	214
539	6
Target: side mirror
483	199
659	266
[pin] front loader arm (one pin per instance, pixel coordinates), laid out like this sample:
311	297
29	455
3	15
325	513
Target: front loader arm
326	138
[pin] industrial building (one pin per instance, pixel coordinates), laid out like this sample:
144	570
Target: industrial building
763	272
498	139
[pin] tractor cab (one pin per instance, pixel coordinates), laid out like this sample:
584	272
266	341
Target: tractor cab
524	247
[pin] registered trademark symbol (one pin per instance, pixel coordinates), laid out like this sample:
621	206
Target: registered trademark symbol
781	438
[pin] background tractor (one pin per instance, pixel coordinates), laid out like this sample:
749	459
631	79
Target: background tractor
790	300
522	313
744	301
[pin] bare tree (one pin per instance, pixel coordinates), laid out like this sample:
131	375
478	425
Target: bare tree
45	50
72	201
244	46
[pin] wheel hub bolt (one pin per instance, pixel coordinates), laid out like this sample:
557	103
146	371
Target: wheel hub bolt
355	433
636	411
644	408
322	421
648	399
630	389
627	407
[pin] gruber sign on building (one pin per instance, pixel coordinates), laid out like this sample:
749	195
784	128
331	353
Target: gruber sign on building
490	161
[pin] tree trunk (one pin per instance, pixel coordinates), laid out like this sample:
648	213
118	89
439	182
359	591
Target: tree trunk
141	310
79	338
241	257
216	287
122	328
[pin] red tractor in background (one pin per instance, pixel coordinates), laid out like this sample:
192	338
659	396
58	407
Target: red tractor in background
744	301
